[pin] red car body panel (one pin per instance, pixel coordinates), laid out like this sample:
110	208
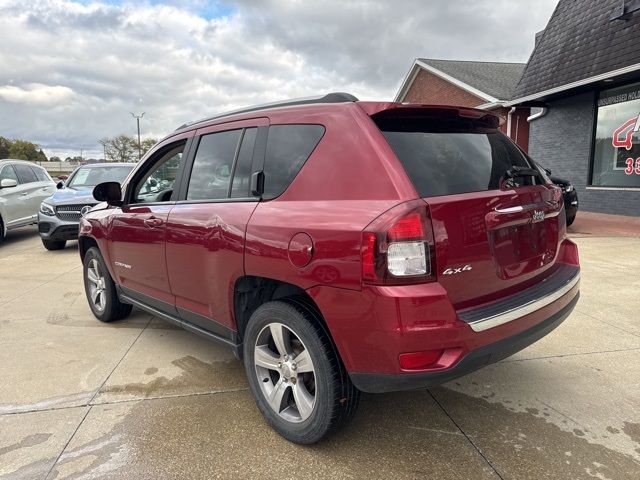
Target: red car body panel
311	237
205	256
373	326
137	239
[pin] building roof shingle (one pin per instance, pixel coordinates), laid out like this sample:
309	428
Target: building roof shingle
580	41
497	79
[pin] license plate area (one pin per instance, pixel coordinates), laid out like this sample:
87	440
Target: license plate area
521	249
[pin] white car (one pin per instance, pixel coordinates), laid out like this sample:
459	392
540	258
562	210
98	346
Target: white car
23	187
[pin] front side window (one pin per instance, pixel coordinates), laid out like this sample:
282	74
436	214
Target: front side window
88	177
616	153
25	174
8	173
157	183
212	166
449	158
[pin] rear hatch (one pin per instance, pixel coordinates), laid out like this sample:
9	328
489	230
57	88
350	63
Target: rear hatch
496	217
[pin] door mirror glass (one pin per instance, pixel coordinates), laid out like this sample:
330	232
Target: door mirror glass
8	183
60	185
109	192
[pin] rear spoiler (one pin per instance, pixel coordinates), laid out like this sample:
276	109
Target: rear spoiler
481	118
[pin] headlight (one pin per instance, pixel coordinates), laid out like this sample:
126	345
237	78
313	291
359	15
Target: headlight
47	209
568	188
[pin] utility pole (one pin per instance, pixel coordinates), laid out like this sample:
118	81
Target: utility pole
138	117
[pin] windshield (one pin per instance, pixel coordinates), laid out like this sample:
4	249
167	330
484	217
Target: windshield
92	176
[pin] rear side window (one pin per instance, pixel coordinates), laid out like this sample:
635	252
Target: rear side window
288	147
457	158
242	171
25	174
41	175
212	165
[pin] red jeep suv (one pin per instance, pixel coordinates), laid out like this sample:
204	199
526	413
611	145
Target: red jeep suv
337	246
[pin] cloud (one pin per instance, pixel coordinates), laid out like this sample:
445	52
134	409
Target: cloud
70	72
36	94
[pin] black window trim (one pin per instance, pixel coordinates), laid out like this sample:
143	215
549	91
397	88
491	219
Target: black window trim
235	161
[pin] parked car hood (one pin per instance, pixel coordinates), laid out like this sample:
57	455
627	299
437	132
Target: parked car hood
68	195
560	181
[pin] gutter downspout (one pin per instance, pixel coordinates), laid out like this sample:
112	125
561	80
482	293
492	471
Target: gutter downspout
538	115
513	109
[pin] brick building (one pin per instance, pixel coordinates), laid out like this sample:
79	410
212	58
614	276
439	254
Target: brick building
584	75
486	85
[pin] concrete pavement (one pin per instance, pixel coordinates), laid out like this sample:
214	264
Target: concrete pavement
142	399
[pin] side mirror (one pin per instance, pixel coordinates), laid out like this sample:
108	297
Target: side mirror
8	183
109	192
60	185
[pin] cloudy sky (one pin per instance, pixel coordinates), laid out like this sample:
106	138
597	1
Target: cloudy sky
71	71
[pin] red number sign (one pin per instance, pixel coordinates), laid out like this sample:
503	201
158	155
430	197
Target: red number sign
630	170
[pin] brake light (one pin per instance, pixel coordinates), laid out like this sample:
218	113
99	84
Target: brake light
407	227
398	246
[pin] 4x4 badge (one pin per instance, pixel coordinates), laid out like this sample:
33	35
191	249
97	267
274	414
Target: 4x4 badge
453	271
538	215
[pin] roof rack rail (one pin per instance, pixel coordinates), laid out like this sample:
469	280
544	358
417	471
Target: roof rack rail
334	97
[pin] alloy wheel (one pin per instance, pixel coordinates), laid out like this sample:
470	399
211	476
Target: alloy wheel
285	372
97	284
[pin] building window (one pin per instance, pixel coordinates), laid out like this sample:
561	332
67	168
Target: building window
616	156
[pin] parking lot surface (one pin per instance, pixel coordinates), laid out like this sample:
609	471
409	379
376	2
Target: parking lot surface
142	399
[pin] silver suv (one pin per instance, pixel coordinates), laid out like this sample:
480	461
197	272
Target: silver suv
23	186
60	214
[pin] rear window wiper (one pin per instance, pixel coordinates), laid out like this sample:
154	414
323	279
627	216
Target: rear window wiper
516	171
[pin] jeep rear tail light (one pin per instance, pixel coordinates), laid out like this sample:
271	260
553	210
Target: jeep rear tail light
398	247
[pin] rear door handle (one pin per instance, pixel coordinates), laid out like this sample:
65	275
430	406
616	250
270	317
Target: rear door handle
153	222
24	194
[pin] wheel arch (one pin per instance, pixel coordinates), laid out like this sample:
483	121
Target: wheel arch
251	291
84	244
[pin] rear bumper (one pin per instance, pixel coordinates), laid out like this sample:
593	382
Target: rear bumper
478	358
374	327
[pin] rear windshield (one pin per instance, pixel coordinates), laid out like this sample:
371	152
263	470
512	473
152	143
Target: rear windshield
445	158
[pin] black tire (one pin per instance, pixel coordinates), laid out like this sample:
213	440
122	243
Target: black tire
336	399
571	219
53	244
1	230
112	309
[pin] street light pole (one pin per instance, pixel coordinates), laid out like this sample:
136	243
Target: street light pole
138	117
